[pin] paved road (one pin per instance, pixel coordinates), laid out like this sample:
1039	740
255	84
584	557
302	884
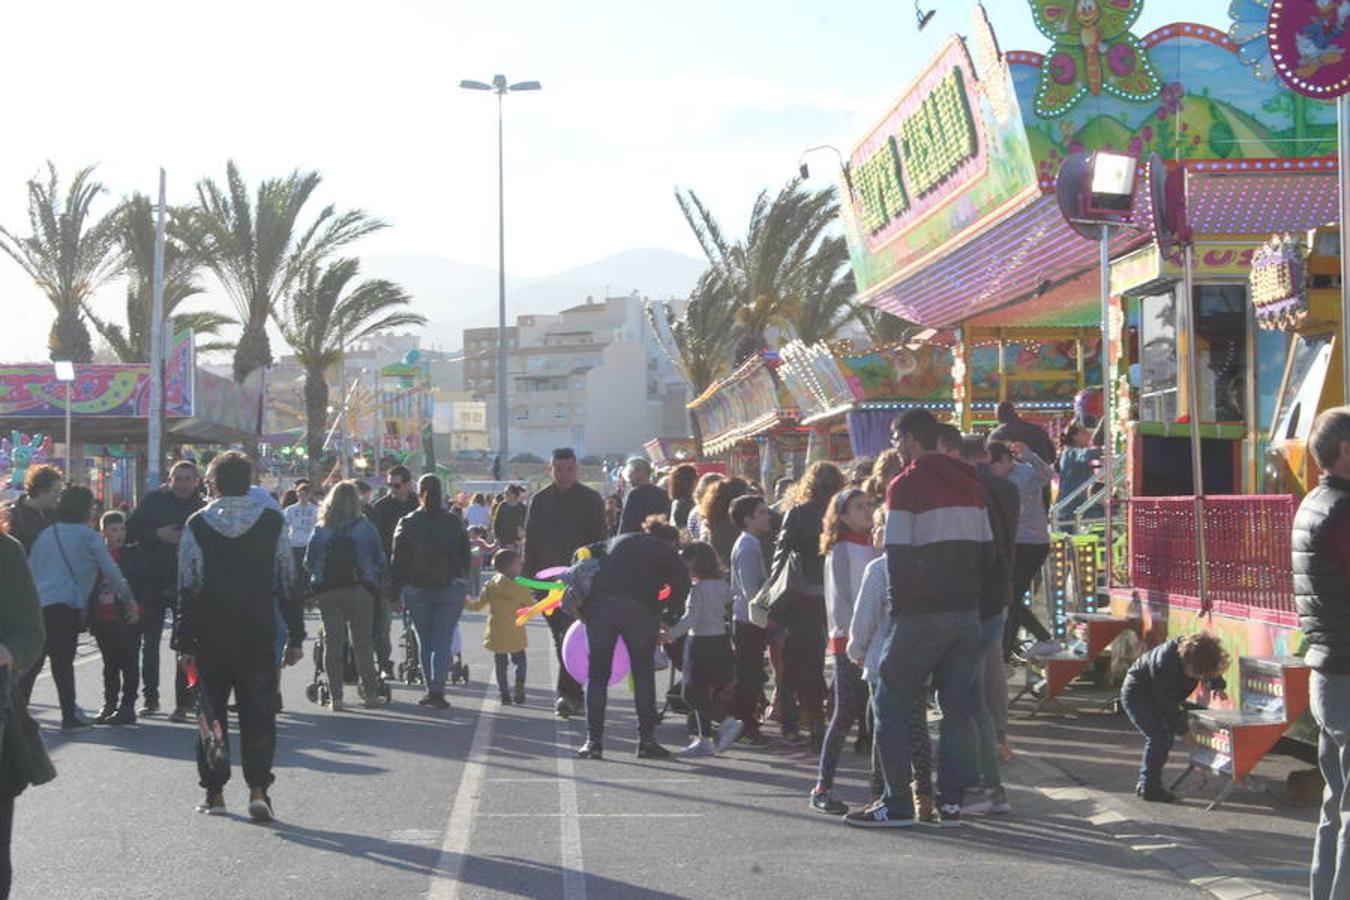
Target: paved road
481	801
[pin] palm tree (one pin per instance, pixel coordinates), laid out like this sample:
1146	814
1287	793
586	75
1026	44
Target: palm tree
769	272
698	339
827	290
259	251
69	254
182	262
319	317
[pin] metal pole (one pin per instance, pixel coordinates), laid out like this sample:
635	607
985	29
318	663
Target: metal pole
1186	325
71	475
1108	439
1343	134
154	453
502	439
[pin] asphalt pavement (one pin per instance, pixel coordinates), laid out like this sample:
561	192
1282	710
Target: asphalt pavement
487	801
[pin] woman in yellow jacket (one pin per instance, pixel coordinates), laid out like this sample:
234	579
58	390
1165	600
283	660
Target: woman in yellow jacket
503	596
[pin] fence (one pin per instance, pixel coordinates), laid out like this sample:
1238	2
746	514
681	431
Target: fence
1246	547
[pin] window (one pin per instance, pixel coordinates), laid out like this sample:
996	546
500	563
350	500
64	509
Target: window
1158	359
522	414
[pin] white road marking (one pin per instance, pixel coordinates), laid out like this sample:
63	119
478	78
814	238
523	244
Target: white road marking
464	811
548	815
569	836
594	781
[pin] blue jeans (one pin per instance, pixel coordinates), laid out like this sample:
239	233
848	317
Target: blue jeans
1137	701
435	615
1330	699
986	729
944	646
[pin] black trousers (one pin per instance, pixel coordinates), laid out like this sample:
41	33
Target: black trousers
117	644
6	837
254	683
1027	561
152	633
608	618
751	642
804	663
567	687
63	633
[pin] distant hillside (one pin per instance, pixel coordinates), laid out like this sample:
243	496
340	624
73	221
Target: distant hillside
454	296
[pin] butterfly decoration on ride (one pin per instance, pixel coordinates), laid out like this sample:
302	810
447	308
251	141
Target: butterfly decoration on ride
19	451
1094	53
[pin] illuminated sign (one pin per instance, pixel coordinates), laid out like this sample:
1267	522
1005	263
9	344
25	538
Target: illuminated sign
930	144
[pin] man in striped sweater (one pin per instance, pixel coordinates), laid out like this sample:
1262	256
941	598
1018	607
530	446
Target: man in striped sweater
939	549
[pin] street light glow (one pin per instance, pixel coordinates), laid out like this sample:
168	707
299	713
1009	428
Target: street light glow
65	370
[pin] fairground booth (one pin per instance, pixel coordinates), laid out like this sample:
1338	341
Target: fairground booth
750	422
107	409
954	223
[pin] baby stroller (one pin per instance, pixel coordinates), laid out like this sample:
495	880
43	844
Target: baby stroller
319	690
459	669
410	669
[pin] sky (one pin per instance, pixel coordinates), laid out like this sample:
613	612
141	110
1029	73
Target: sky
716	95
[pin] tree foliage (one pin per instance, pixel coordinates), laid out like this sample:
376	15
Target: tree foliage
68	253
259	249
319	317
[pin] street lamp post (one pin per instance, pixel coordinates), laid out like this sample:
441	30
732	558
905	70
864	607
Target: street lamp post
65	373
500	86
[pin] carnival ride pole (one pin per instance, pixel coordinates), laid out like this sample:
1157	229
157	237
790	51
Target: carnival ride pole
1108	438
1186	327
1343	177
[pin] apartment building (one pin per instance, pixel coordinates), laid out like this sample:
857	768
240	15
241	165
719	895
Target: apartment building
592	377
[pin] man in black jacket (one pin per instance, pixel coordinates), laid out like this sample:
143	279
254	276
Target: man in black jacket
386	512
1321	560
234	572
562	517
625	602
644	498
156	525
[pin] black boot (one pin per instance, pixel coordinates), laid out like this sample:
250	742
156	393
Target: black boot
1152	791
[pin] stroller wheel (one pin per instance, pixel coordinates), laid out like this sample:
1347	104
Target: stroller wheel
312	693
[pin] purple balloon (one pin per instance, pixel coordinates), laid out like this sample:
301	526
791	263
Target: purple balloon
576	656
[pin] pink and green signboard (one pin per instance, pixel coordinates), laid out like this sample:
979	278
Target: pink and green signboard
1191	93
106	391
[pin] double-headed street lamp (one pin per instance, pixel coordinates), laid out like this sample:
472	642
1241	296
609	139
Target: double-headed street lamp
500	86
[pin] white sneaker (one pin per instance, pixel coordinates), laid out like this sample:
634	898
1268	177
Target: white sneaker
698	747
727	733
977	802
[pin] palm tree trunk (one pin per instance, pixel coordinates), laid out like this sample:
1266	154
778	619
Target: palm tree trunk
316	423
696	432
69	338
253	352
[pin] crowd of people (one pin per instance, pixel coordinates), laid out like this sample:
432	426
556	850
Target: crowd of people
907	573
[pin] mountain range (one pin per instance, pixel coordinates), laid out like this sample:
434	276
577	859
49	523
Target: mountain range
454	296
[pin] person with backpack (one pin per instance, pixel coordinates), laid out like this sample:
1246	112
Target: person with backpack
430	571
345	565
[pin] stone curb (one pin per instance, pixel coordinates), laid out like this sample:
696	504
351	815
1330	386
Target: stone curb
1205	868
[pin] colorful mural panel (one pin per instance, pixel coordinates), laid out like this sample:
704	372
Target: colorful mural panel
99	390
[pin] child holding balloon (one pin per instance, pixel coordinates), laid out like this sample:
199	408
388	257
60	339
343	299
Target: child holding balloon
503	597
709	662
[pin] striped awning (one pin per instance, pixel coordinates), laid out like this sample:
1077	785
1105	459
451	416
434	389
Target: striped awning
1035	256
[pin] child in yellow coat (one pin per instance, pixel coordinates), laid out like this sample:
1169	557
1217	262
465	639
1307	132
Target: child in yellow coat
502	596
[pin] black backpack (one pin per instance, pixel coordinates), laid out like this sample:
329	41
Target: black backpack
340	568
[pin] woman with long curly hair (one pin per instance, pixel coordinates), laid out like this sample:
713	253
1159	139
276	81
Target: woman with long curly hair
715	509
683	478
803	616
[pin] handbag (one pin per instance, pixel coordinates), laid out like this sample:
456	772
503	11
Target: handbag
781	594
